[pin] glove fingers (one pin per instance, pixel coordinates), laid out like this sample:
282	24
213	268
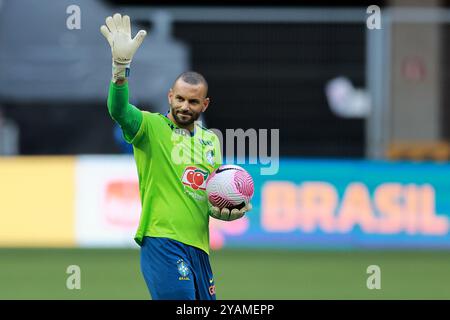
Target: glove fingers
225	214
246	209
126	25
236	214
118	21
110	24
139	38
105	31
234	211
215	212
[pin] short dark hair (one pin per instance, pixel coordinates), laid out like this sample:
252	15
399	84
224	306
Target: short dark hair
194	78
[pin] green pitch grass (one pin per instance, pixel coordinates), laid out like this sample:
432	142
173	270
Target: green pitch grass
239	274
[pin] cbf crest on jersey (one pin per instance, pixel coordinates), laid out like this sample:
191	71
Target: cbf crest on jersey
210	157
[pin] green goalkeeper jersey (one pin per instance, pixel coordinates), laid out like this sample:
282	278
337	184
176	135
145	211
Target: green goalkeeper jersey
173	165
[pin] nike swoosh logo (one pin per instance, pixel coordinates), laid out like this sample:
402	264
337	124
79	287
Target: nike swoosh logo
222	170
211	280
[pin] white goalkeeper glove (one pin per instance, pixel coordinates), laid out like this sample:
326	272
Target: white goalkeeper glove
227	215
118	33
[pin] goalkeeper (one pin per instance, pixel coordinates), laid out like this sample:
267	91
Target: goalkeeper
173	230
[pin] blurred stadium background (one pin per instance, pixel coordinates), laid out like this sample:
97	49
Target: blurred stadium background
362	113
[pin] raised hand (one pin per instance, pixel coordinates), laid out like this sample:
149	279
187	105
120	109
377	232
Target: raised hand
118	33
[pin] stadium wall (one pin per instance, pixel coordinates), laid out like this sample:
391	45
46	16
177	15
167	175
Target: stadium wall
93	201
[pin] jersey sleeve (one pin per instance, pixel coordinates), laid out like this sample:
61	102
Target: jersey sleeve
125	114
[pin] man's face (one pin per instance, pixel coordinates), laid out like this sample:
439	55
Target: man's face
187	102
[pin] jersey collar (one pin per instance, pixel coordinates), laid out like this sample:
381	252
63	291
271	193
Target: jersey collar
191	132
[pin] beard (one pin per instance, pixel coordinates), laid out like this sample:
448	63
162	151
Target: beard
184	119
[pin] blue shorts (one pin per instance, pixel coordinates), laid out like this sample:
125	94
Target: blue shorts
176	271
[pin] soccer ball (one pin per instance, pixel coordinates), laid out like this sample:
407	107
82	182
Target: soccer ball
230	186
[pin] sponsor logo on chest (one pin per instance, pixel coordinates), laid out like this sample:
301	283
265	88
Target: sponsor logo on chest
195	178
